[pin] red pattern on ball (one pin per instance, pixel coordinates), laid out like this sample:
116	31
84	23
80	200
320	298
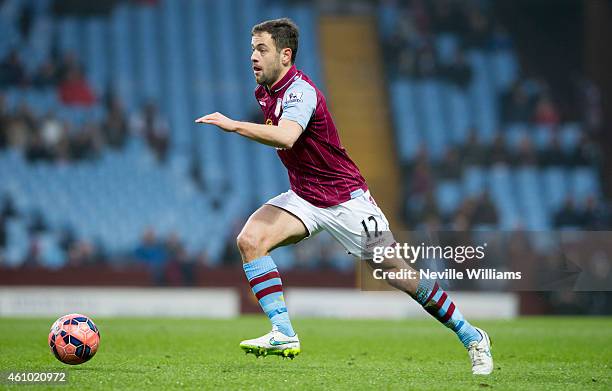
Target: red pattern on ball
75	342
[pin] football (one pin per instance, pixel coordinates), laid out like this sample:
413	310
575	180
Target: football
74	339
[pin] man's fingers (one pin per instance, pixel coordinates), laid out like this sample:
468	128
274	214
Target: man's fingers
205	119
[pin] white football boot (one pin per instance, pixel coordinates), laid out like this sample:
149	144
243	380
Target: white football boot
480	354
275	343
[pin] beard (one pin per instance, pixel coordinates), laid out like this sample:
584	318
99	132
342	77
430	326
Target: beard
269	77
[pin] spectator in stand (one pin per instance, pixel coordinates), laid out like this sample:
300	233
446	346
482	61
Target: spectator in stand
51	130
478	29
517	105
526	154
590	95
61	150
498	153
4	123
37	223
447	17
546	112
26	17
553	155
36	150
594	217
66	238
151	125
426	63
180	269
12	72
115	125
2	235
152	253
500	38
83	253
461	221
422	180
74	90
68	63
567	216
46	76
86	144
406	63
8	210
484	212
473	152
450	166
21	126
459	72
429	209
33	258
586	153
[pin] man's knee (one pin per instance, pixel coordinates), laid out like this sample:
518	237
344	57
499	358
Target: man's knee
250	245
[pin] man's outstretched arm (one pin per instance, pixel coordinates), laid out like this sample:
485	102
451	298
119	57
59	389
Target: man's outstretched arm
282	136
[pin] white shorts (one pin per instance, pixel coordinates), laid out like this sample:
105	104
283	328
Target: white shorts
357	224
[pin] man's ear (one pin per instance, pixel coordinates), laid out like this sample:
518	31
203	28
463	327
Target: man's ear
286	56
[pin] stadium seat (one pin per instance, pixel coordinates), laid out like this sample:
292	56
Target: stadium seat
555	184
570	134
404	110
515	133
448	196
446	47
584	183
474	181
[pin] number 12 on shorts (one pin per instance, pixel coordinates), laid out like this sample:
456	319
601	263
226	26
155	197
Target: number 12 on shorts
377	233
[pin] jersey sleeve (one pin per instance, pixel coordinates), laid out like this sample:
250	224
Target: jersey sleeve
299	102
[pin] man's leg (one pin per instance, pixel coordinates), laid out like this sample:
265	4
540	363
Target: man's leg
439	305
433	299
268	228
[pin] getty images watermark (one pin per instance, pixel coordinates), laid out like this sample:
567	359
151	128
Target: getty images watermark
458	254
487	260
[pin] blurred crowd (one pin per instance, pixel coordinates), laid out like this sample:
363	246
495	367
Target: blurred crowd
165	256
51	138
410	52
422	176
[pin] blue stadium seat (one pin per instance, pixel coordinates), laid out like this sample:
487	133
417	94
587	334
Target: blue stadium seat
515	134
505	69
448	196
429	106
584	183
459	113
555	185
570	134
404	112
529	190
447	45
542	136
474	181
501	189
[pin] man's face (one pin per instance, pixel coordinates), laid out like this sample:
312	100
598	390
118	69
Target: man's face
266	60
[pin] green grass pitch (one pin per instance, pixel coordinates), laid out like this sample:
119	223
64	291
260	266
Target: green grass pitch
530	353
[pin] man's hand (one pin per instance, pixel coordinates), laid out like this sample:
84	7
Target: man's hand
282	136
218	119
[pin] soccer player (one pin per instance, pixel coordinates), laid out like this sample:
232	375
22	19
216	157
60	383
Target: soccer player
327	193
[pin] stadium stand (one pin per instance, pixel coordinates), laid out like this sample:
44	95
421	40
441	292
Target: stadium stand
84	161
455	84
114	170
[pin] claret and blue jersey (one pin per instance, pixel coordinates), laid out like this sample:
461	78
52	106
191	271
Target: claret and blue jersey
320	170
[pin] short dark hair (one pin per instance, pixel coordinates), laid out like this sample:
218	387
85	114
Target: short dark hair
284	32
